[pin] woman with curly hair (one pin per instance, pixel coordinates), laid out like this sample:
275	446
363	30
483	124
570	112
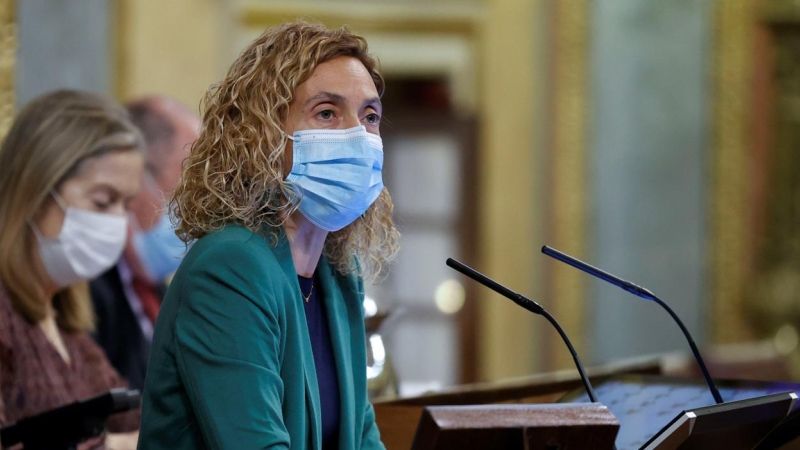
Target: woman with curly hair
260	340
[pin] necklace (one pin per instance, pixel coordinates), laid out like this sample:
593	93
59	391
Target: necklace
310	291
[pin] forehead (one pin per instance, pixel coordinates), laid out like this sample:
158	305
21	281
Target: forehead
185	121
187	129
344	75
120	169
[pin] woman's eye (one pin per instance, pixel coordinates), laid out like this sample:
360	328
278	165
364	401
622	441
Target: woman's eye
372	118
101	205
326	114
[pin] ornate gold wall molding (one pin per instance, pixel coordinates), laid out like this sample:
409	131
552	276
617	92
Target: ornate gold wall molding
405	35
773	300
567	228
445	17
513	87
8	50
735	21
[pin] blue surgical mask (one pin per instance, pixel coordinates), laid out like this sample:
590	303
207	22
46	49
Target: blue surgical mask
159	250
339	173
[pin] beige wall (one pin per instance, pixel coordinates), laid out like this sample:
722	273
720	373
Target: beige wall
179	47
509	42
511	166
175	47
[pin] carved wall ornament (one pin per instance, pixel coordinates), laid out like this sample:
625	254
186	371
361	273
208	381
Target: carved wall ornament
774	297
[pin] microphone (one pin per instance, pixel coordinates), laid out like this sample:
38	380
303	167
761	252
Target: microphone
639	292
70	424
531	306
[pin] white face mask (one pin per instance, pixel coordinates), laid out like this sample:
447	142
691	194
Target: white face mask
89	244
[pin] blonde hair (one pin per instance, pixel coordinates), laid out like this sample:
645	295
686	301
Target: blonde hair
235	171
47	145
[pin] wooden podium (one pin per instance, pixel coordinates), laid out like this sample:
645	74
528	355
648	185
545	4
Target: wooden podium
521	413
510	414
529	427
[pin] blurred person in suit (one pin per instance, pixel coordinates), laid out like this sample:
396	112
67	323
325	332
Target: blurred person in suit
260	341
69	166
128	296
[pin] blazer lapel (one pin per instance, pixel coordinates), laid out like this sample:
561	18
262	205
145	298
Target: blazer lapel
284	255
336	307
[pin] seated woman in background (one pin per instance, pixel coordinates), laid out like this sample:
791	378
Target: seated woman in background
68	166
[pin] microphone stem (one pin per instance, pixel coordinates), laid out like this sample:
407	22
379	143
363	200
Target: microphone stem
577	360
695	351
639	292
531	306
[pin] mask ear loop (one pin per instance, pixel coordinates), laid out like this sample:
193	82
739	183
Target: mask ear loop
291	138
133	223
35	230
151	182
61	204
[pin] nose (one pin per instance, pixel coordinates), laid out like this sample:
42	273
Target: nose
119	209
351	120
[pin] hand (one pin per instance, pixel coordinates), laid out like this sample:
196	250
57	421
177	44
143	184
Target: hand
122	441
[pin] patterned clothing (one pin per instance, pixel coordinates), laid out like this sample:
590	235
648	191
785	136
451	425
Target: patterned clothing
35	378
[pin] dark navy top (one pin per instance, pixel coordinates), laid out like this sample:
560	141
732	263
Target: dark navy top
320	335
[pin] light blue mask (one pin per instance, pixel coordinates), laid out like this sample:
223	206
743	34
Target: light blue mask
339	172
159	250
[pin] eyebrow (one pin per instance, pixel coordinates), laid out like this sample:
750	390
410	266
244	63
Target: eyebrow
341	99
328	95
107	187
373	101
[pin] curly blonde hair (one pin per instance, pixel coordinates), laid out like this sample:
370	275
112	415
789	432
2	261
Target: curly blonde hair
235	172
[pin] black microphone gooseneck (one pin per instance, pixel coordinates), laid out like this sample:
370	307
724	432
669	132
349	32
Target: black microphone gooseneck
639	292
531	306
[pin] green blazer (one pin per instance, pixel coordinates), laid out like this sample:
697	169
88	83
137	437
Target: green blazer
231	364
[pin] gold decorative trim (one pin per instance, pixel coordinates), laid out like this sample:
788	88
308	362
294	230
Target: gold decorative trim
734	30
512	45
360	15
8	50
568	180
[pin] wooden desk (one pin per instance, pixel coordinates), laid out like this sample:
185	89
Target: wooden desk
398	418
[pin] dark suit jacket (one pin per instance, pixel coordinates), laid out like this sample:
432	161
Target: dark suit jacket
118	331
